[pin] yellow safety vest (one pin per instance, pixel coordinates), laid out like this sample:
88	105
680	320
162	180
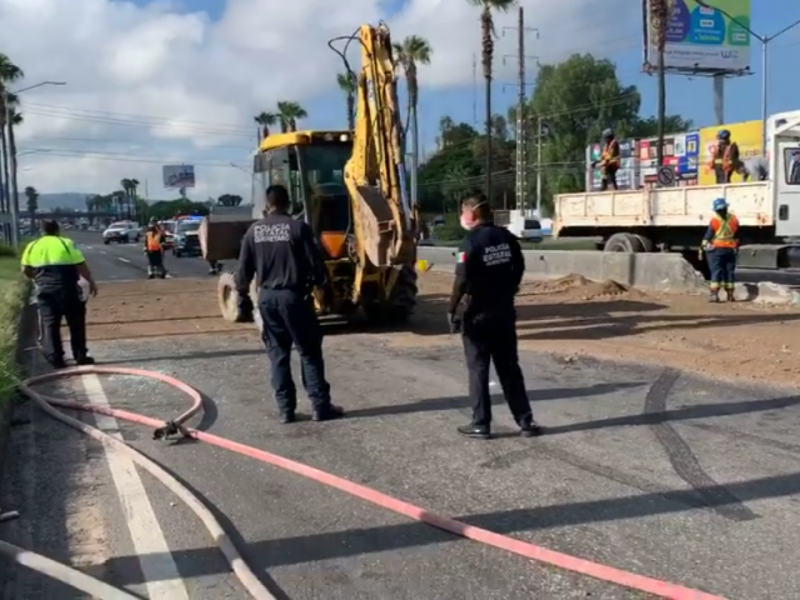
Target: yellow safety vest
54	260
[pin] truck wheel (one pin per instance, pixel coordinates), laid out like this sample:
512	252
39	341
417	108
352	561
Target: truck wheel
646	243
402	302
624	242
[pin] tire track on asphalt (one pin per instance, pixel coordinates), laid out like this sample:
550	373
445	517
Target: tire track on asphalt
715	497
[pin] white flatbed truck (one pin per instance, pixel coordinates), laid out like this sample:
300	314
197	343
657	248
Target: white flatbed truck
674	219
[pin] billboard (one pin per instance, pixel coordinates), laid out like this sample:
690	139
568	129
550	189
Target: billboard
700	39
178	176
747	136
628	174
681	152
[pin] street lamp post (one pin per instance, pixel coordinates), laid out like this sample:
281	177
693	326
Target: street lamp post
14	202
765	40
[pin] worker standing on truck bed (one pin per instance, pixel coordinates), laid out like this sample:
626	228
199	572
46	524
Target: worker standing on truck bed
488	274
609	161
721	244
280	252
725	159
154	249
56	266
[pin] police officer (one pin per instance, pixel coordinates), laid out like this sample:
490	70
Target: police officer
56	266
488	274
282	255
721	243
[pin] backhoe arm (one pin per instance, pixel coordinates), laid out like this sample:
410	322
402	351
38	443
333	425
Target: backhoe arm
375	175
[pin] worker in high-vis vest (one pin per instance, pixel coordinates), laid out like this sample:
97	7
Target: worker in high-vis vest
725	159
56	266
154	250
721	247
609	162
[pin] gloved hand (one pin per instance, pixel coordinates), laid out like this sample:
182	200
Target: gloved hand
454	322
244	309
700	254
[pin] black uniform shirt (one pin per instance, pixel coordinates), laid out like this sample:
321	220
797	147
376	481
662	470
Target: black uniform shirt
281	253
489	269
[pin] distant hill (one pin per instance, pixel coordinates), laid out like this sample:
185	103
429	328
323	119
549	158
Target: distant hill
71	200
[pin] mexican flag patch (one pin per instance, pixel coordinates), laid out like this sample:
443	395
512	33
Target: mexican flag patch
462	257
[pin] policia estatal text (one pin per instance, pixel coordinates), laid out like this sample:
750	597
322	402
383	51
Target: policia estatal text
56	266
280	252
488	274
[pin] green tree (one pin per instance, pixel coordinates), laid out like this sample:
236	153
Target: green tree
32	197
265	120
576	100
289	113
9	74
487	58
347	83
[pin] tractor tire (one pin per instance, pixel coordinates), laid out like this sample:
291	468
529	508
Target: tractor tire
402	302
228	299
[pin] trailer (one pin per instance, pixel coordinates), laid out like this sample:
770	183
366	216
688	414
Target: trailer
674	219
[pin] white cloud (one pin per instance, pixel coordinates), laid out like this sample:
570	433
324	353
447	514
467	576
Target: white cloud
160	82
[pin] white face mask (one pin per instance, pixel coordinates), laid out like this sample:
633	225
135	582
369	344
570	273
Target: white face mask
464	225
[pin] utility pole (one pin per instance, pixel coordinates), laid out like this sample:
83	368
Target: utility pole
474	90
521	163
539	136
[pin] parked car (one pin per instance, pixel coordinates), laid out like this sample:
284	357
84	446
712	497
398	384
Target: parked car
122	232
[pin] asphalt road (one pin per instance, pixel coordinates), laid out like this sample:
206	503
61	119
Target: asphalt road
649	470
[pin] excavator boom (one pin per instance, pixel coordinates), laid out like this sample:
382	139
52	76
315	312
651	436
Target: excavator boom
375	175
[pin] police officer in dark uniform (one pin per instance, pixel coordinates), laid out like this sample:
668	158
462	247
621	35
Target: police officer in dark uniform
56	266
281	253
488	274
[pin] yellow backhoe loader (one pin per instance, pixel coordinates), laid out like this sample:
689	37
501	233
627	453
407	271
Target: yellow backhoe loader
350	187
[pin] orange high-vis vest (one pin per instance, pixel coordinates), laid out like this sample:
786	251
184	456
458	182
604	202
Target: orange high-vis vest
725	232
724	160
610	154
153	241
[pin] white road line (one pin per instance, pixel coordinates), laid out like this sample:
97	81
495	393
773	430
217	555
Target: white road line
163	581
125	260
102	252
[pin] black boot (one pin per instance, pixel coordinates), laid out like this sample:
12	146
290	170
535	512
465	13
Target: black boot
731	295
329	413
529	428
714	297
483	432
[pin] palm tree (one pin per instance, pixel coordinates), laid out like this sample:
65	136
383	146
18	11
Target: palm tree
348	84
265	120
133	199
487	58
33	203
9	73
118	200
659	13
15	120
412	51
289	113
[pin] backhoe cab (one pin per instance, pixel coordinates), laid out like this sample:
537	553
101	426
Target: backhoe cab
350	187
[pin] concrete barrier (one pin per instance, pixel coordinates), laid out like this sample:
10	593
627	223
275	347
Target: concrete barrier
655	271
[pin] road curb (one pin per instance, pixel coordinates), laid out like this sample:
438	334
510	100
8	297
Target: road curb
25	326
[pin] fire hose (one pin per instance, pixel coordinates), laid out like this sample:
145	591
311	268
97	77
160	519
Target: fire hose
253	585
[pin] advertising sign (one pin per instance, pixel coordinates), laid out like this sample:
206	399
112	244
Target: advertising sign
681	152
747	136
178	176
628	174
701	39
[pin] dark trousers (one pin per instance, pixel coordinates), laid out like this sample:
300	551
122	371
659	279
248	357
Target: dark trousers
53	307
493	338
289	319
722	265
721	175
609	180
155	262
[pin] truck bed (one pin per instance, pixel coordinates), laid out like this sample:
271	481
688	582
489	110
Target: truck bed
664	207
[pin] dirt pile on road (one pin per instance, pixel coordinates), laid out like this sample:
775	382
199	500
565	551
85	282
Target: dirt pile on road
576	286
154	308
574	316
